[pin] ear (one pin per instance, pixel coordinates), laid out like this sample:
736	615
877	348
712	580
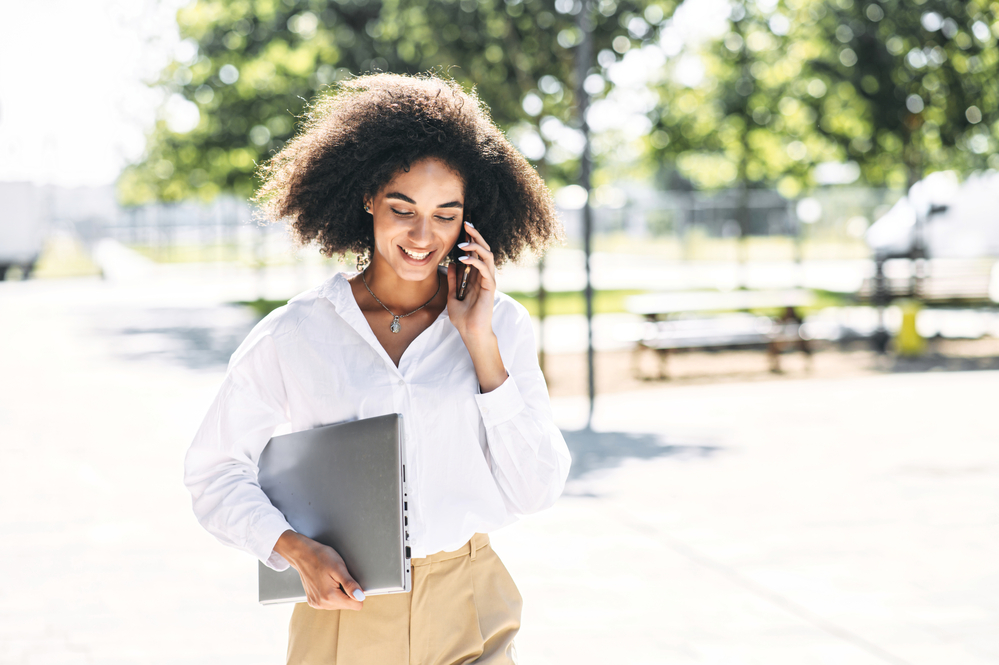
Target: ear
366	202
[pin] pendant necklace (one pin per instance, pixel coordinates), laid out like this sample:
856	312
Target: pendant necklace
395	327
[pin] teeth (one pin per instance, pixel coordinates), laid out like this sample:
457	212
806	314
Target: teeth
418	257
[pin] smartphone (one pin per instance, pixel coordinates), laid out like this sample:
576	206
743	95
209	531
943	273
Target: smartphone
463	271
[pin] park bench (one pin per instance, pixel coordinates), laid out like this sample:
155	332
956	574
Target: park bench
692	321
936	281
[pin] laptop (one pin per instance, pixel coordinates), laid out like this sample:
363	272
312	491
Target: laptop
342	485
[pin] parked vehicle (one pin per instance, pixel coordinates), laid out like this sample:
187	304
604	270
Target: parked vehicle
21	228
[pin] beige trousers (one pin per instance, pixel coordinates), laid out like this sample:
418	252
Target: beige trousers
464	608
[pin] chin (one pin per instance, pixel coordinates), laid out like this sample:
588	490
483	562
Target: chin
413	273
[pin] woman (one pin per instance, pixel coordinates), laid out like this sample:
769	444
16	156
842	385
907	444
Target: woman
394	168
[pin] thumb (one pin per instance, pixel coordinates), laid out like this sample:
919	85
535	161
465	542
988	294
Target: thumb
352	588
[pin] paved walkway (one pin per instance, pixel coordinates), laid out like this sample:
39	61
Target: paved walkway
826	521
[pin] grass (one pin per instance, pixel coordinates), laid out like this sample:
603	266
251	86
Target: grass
64	256
604	302
572	302
559	303
262	307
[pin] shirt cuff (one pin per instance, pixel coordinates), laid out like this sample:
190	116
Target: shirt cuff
500	405
265	535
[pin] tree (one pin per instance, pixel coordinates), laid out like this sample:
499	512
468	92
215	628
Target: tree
254	64
744	124
912	85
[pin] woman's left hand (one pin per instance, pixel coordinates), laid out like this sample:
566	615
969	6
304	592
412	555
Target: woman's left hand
473	316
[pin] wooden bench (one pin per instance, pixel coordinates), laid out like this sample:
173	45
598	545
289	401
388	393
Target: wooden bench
669	328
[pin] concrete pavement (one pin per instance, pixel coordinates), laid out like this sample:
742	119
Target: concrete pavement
825	521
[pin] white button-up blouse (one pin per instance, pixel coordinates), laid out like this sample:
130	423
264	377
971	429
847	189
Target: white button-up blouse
474	462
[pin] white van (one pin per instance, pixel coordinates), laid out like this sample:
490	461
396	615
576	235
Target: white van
21	229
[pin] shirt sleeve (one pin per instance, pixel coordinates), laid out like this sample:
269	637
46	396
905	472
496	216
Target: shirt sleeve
220	468
527	453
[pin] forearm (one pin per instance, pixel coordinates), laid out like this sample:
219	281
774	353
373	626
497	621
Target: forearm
293	546
489	368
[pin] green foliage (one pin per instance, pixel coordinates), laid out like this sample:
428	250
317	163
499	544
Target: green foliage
900	87
911	83
258	62
746	122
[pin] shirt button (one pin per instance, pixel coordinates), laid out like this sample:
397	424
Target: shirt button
485	409
401	382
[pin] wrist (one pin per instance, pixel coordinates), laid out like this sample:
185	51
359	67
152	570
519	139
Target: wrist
291	545
489	367
480	341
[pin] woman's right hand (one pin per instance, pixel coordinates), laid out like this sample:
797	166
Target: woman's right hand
327	583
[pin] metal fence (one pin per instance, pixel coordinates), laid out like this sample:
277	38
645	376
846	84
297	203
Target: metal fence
677	224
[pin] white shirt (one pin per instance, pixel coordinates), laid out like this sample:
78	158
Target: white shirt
474	462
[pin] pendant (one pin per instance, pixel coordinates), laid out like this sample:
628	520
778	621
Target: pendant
395	327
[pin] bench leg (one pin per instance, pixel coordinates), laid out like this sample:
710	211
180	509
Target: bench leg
806	349
773	352
636	362
663	368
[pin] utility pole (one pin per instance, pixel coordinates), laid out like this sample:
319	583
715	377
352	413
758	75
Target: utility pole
584	58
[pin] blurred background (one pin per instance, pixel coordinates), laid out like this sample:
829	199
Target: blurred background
771	336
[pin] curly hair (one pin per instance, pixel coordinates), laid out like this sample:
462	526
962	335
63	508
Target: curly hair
359	136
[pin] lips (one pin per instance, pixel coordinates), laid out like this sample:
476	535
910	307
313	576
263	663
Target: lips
418	257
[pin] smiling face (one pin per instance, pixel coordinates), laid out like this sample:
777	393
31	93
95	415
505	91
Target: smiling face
417	218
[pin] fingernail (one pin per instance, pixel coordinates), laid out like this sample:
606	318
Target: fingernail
463	245
358	594
470	224
463	258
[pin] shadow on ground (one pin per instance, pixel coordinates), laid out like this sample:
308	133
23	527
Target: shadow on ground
939	363
592	450
192	338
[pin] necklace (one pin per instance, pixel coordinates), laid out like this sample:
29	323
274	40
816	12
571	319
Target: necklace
395	327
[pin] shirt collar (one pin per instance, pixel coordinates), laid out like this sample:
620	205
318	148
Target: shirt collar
337	289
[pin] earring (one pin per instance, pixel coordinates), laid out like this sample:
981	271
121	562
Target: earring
367	210
362	262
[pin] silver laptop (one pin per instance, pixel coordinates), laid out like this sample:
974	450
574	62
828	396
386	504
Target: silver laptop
344	486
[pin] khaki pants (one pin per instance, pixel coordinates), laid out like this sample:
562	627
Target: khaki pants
464	608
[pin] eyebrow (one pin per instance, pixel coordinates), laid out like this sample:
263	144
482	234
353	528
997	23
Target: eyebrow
403	197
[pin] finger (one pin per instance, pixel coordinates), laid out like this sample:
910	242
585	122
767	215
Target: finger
482	252
353	590
335	598
485	277
339	602
350	588
343	600
476	236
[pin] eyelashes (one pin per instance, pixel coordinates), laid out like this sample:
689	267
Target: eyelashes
402	213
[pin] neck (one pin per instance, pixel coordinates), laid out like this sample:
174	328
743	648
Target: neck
399	295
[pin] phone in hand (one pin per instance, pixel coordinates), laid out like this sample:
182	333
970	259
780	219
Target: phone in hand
463	271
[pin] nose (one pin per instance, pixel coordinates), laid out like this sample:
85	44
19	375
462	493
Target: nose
420	233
